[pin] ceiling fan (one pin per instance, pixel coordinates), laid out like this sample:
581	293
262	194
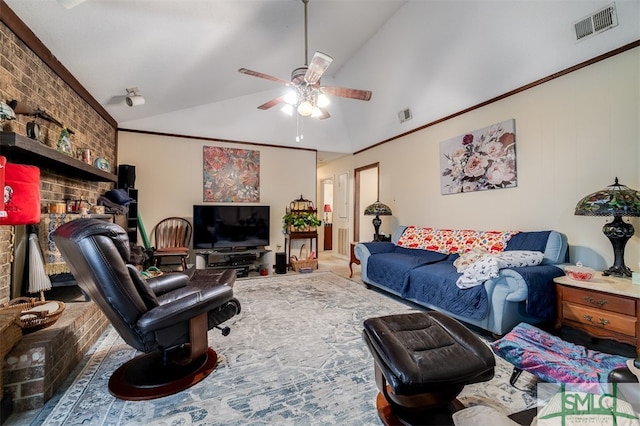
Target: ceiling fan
307	96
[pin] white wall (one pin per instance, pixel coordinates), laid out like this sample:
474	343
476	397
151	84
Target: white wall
574	135
169	177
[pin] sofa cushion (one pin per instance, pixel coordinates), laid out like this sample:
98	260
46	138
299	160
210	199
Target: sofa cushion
454	240
436	284
529	241
392	269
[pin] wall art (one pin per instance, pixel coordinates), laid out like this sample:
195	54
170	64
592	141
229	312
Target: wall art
231	175
479	160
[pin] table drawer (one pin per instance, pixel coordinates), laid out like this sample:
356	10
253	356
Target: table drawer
595	299
600	318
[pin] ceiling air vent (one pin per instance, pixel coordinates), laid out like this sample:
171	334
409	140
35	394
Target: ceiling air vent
597	22
404	115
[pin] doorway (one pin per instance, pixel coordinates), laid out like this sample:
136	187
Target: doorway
327	210
366	190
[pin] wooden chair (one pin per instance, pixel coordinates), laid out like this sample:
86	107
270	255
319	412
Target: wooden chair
172	237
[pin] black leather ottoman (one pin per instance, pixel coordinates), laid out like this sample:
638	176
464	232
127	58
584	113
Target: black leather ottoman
422	362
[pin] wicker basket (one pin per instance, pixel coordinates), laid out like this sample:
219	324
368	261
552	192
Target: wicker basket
34	314
303	260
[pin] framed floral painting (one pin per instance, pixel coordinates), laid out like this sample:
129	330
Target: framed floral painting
480	160
231	175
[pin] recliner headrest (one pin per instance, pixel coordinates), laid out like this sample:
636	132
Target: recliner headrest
86	227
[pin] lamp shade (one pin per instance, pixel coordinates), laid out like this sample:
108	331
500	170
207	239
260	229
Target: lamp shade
377	209
614	200
327	208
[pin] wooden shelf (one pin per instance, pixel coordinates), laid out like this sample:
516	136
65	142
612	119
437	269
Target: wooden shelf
21	149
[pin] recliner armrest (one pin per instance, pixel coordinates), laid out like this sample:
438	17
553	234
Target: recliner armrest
167	282
183	305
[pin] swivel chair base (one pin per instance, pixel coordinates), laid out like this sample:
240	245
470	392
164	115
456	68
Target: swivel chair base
146	377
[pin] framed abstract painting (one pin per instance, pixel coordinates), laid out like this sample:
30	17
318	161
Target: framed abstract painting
231	175
480	160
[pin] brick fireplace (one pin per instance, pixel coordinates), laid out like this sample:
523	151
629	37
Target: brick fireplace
39	364
30	73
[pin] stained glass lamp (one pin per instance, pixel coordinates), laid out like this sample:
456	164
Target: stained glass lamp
616	200
377	209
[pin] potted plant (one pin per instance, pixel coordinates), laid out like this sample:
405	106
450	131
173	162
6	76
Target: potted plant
300	221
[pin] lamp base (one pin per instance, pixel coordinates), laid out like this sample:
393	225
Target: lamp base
618	271
618	232
376	227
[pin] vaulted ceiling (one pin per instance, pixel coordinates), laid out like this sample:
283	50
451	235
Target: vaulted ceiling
434	57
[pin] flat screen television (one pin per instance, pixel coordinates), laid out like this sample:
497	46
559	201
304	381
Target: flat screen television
230	227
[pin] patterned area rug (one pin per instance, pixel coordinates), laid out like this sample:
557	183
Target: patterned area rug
295	356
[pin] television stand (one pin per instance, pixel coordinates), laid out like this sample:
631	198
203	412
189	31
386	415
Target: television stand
243	261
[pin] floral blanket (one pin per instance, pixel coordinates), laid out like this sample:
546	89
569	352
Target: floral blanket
552	359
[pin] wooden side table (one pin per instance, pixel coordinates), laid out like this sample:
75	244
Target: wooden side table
605	307
352	259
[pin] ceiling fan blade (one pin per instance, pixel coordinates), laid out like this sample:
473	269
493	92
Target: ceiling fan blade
273	102
324	114
68	4
265	76
319	64
361	95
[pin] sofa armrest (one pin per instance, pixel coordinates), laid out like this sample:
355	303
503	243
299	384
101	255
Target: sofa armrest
363	251
377	247
516	285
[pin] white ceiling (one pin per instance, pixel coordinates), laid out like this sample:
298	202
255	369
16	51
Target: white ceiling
435	57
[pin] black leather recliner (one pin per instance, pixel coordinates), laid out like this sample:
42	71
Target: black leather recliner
628	386
166	317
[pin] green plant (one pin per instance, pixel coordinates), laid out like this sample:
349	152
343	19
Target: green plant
299	220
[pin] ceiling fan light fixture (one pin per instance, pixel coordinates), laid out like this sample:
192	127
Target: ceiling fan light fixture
305	108
323	100
291	97
287	109
316	112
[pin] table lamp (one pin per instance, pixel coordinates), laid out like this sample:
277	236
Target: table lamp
616	200
377	209
327	210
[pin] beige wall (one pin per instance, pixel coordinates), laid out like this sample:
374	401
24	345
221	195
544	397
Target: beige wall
574	135
169	177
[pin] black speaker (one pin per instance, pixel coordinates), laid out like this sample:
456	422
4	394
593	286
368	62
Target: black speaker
126	176
281	263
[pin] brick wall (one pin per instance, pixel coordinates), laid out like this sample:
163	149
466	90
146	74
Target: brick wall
28	79
42	361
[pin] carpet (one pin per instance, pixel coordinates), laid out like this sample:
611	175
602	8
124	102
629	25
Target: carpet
295	356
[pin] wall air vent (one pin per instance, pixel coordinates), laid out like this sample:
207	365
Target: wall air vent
597	22
405	115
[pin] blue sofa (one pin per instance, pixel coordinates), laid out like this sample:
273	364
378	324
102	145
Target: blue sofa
428	278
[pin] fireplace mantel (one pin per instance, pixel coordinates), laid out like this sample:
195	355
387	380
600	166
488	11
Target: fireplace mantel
18	148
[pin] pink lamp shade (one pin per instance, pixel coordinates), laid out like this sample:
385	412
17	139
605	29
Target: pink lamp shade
327	208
